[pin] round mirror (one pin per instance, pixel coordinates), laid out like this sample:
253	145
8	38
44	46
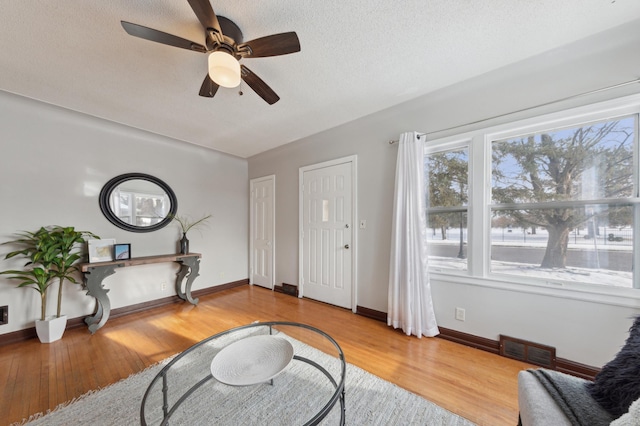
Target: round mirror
138	202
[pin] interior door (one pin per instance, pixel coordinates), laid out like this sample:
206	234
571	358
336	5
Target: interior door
262	231
327	237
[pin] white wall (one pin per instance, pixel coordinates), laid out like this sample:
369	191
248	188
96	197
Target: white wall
53	163
586	332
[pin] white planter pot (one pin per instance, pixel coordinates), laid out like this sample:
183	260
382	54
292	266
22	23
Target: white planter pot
51	329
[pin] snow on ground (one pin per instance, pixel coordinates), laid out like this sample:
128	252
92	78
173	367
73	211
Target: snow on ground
520	238
577	275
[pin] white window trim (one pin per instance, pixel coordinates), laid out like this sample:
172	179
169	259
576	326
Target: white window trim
478	143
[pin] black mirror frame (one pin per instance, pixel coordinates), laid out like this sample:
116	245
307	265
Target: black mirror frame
105	194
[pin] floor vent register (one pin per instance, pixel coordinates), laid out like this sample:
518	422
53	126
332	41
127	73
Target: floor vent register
523	350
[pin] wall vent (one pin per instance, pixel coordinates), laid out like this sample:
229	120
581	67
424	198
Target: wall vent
287	289
523	350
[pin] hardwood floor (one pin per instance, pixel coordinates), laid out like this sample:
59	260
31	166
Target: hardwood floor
477	385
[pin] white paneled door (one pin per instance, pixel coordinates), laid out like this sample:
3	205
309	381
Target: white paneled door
262	231
327	237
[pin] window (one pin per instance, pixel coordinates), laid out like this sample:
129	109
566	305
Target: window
552	200
563	195
447	173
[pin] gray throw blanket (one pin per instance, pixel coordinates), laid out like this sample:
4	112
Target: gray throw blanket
571	395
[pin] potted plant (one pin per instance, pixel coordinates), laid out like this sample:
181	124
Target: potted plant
187	223
52	253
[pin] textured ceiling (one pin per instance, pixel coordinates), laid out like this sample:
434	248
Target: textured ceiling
357	57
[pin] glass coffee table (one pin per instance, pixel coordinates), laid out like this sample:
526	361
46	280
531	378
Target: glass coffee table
263	373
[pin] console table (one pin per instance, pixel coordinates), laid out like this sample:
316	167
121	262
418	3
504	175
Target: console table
94	273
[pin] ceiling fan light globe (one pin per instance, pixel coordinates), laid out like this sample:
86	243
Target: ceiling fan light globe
224	69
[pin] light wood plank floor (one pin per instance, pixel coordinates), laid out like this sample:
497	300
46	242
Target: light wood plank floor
34	377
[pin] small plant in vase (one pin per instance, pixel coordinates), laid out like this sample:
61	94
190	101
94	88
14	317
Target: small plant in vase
187	223
52	253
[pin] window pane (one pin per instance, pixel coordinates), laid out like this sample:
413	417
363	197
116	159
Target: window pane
591	244
447	240
447	174
325	210
589	162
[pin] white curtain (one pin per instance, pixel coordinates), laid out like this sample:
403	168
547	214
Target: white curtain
410	303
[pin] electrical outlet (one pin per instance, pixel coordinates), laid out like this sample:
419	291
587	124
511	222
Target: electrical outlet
163	286
460	314
4	315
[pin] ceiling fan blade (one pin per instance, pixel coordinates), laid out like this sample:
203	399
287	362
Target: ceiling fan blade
161	37
273	45
205	14
208	88
259	86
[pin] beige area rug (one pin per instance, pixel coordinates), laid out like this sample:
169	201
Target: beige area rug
295	396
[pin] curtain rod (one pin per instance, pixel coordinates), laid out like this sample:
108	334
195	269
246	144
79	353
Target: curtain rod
591	92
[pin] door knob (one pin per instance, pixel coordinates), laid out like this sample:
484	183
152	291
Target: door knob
346	246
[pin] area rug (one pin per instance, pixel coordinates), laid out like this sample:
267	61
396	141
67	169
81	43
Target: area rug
294	397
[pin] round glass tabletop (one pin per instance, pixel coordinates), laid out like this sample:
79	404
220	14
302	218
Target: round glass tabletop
261	373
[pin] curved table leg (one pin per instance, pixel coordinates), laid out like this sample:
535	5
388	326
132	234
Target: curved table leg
93	284
92	319
188	265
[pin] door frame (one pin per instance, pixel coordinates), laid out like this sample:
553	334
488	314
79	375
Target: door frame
353	160
252	212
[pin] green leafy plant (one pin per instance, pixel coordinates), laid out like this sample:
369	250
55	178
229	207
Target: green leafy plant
52	253
187	223
68	244
37	278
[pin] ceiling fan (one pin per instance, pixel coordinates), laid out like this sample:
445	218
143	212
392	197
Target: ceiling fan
225	47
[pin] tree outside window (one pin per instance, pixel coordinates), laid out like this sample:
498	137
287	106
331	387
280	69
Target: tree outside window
447	174
568	182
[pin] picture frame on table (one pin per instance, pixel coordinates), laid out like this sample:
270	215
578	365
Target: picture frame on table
122	251
101	250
